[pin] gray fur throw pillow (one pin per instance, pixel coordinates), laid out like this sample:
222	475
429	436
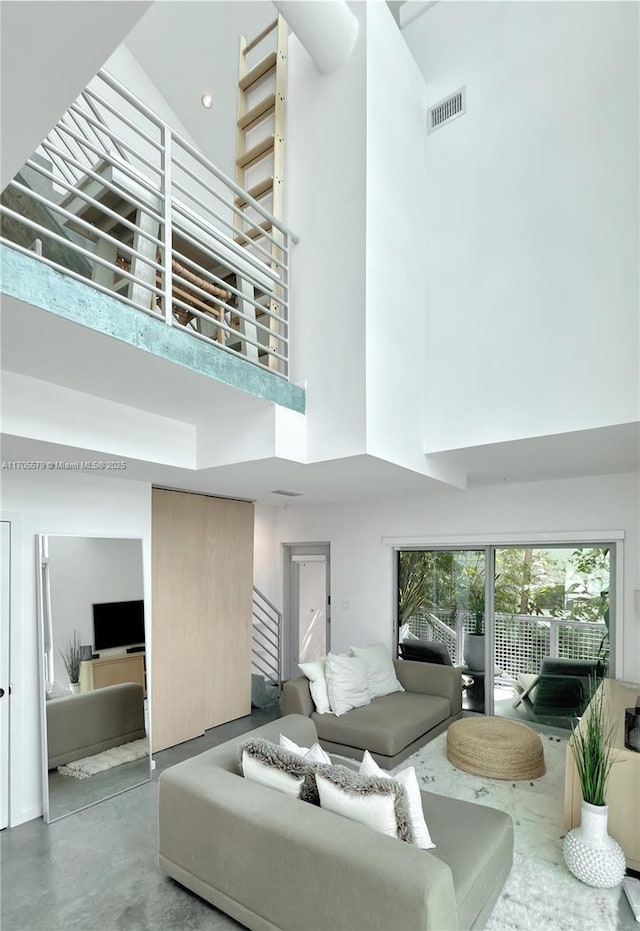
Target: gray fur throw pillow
354	784
272	755
347	779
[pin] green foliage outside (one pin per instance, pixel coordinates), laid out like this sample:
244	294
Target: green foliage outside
572	585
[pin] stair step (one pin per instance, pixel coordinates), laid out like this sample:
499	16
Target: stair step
258	151
257	191
255	113
254	233
263	68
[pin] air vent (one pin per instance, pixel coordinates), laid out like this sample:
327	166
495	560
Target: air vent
446	110
287	494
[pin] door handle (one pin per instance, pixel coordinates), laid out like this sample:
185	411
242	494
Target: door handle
1	693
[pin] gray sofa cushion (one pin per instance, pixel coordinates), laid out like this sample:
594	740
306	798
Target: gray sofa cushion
387	725
456	828
88	723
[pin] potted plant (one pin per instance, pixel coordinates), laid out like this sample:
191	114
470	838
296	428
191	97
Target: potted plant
474	639
590	853
71	655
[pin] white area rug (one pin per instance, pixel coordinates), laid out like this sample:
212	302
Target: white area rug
540	894
90	765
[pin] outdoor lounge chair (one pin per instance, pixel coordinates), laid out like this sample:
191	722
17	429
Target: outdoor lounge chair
560	688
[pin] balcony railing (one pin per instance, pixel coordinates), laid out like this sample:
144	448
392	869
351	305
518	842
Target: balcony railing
521	640
116	197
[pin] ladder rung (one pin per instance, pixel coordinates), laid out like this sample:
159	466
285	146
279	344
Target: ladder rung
257	191
254	232
256	152
263	67
263	35
261	109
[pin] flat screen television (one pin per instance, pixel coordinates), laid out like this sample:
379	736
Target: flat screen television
118	624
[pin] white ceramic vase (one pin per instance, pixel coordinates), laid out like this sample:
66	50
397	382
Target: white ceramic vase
594	857
74	688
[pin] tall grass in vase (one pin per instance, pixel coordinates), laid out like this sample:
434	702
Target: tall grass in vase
592	744
71	655
591	854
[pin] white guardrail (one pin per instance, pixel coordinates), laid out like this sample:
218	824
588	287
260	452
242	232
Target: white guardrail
114	196
521	640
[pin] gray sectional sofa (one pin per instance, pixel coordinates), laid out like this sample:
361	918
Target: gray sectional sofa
393	727
275	862
88	723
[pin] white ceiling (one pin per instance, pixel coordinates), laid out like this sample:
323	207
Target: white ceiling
610	449
35	45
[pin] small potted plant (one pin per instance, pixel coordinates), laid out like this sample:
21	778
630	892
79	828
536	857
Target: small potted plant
72	657
594	857
474	639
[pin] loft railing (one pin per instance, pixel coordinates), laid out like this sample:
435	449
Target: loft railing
117	197
266	638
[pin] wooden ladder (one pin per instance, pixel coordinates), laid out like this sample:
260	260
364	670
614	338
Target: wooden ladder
259	171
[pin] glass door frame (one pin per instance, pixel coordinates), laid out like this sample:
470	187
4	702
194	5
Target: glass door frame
489	544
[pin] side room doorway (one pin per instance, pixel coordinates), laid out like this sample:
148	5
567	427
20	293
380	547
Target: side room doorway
307	603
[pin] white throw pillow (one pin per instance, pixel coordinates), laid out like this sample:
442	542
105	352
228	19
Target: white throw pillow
379	669
376	811
313	754
408	779
315	673
266	775
346	683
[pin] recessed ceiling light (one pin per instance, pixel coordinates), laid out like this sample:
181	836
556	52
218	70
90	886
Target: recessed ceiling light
287	494
207	101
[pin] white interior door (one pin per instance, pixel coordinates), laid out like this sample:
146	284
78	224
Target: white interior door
312	608
5	613
307	604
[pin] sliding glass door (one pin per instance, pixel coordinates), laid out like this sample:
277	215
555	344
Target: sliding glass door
530	626
442	596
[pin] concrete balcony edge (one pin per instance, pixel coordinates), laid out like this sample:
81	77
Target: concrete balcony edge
33	282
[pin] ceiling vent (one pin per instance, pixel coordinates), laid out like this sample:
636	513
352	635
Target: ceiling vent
287	494
446	110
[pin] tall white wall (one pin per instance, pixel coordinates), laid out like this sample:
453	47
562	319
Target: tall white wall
266	574
362	595
56	503
396	224
531	219
84	571
326	208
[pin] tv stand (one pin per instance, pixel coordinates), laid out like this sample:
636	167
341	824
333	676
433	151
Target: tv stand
112	670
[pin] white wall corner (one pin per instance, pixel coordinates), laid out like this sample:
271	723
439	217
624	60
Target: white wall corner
327	30
291	435
449	474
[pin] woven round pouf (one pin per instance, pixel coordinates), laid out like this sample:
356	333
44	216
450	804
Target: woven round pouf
496	748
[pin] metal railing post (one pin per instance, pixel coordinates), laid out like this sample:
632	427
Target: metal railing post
167	234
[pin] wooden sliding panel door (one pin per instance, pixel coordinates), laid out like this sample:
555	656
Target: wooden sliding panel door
202	593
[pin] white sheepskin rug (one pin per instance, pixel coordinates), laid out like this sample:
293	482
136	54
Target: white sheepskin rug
90	765
540	894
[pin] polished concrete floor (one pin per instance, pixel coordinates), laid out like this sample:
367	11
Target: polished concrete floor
96	870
